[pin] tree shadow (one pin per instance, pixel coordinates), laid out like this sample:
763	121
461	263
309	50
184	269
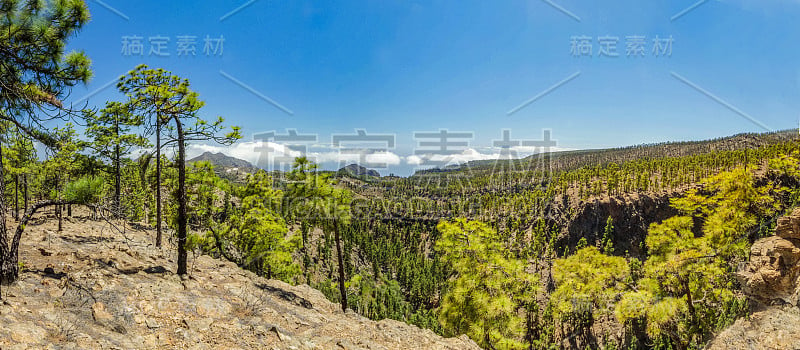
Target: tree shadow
286	295
48	272
86	240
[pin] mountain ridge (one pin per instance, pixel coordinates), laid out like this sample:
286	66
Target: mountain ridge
223	160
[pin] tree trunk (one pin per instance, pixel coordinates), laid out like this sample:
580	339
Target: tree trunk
342	290
9	256
16	197
117	184
117	170
182	254
690	306
58	213
158	182
25	191
9	270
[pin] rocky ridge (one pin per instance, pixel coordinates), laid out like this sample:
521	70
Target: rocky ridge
95	286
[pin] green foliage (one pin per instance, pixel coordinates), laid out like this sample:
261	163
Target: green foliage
63	163
204	193
608	237
260	234
252	234
136	196
688	287
312	197
110	132
85	190
587	284
488	289
35	71
174	105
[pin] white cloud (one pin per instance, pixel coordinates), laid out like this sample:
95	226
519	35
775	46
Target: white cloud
250	151
472	154
414	160
256	152
387	158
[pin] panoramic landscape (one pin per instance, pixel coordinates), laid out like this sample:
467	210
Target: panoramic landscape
539	174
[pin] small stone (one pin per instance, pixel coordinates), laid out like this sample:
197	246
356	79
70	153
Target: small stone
198	325
152	324
99	312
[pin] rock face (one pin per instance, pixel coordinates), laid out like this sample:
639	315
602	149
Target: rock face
771	276
631	217
773	328
91	287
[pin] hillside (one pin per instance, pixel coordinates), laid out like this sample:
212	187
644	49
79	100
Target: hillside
92	286
569	160
545	210
357	170
220	160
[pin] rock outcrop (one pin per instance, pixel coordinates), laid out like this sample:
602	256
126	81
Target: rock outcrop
93	287
631	215
771	276
770	329
770	279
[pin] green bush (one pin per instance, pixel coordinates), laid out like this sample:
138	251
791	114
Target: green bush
85	190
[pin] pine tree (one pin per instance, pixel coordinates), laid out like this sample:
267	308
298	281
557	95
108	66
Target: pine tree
312	197
687	282
109	131
62	164
36	75
608	237
259	233
21	161
488	288
175	105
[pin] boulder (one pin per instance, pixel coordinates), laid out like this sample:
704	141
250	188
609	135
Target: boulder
789	226
771	275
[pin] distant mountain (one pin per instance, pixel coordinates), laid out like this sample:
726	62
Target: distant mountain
224	162
357	170
566	160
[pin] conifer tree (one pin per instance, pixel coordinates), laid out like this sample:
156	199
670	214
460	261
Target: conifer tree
312	197
111	138
174	104
36	75
488	289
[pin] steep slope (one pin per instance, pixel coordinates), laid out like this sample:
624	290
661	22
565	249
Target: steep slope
96	286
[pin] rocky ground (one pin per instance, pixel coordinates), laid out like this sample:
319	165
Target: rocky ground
774	328
93	286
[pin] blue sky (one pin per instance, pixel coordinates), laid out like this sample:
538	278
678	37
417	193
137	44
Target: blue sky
399	67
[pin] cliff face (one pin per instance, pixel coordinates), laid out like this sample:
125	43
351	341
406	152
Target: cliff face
93	287
631	215
771	276
771	279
